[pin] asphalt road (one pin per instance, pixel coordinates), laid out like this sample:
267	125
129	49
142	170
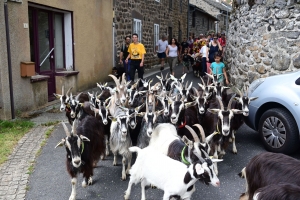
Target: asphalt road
50	180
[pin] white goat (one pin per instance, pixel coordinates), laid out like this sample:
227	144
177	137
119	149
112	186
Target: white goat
175	178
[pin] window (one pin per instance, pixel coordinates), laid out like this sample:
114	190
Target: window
137	28
170	4
157	0
156	35
194	19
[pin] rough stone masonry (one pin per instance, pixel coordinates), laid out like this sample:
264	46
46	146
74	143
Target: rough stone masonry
263	39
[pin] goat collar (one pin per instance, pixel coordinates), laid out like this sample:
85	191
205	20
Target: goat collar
183	125
183	157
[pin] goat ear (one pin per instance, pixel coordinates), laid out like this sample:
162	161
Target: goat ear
61	143
216	160
159	78
112	118
188	142
159	112
237	111
190	104
85	139
236	98
253	98
140	114
57	95
199	169
213	111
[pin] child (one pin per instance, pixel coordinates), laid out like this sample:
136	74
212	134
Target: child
218	68
186	58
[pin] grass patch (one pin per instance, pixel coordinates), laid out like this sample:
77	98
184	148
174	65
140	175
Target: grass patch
10	133
51	123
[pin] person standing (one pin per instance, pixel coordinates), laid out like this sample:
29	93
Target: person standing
123	55
204	53
160	48
137	53
218	68
214	47
172	53
222	41
184	45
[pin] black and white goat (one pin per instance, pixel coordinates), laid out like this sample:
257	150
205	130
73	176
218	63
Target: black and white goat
167	174
269	168
165	140
64	98
120	140
84	145
164	82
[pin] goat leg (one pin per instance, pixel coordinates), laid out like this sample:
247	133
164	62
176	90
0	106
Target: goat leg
73	193
123	168
107	147
234	150
115	159
143	185
128	191
129	157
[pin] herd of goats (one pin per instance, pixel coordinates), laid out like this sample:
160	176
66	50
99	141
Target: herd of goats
169	123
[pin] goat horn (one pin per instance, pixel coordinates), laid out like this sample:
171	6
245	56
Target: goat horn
147	109
230	102
202	81
201	131
239	91
167	75
116	80
123	79
195	136
208	138
66	129
196	91
186	85
63	90
221	103
74	127
67	94
205	153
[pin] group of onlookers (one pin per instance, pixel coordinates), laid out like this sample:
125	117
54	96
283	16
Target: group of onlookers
208	49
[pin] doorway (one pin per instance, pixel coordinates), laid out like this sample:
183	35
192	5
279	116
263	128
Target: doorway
47	44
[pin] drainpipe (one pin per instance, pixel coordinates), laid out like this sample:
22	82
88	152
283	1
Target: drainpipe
188	17
9	61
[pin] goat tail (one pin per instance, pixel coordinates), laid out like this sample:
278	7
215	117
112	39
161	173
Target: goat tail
242	174
134	149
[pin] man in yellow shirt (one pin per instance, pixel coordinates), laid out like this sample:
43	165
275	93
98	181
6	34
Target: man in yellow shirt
136	52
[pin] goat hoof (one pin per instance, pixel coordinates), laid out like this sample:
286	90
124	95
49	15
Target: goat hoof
83	184
107	153
234	152
90	181
153	186
102	157
72	197
124	177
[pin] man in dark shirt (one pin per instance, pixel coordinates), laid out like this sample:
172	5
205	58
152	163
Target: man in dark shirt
184	45
123	55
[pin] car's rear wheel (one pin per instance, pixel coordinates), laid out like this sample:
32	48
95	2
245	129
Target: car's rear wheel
279	131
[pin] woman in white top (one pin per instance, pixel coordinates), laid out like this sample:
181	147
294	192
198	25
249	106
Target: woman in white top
172	53
204	52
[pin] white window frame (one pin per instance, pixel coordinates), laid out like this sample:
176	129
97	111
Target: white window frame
156	34
137	28
157	0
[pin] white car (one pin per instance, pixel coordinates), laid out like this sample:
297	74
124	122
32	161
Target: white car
276	112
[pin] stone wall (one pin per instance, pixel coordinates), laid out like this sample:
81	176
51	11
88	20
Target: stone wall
263	40
150	12
203	23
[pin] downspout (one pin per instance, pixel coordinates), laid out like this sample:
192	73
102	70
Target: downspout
188	17
9	61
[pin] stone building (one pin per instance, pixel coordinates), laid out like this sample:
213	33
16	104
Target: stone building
219	9
150	19
50	44
263	40
200	22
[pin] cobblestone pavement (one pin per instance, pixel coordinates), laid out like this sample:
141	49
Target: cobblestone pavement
14	172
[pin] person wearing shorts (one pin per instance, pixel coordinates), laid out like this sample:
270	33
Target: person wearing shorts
161	47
